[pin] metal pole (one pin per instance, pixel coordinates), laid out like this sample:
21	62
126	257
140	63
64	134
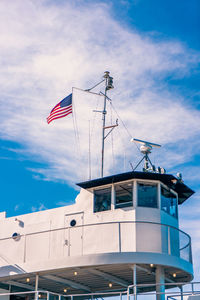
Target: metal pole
36	286
169	241
128	293
135	282
89	154
181	290
120	246
192	288
24	248
104	122
160	283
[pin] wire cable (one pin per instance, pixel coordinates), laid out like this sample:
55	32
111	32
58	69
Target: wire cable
76	132
112	144
128	132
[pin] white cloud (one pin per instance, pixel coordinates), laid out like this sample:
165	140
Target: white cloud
16	207
40	207
47	49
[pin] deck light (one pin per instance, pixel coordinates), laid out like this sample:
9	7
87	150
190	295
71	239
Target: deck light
110	285
39	296
174	275
75	273
65	290
174	181
151	265
27	279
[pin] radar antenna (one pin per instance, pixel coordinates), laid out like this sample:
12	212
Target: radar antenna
145	149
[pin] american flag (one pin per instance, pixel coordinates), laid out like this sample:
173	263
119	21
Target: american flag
62	109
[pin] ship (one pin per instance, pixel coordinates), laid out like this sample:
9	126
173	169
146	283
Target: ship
121	238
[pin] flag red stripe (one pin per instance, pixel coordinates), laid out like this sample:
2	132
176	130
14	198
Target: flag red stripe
58	117
57	108
60	109
61	112
57	105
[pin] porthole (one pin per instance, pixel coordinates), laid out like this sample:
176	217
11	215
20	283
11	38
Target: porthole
16	236
73	223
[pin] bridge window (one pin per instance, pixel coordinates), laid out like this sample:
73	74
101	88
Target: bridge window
147	195
102	199
124	195
169	202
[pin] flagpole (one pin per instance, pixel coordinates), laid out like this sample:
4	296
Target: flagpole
104	122
108	86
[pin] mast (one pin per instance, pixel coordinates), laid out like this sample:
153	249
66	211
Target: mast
108	86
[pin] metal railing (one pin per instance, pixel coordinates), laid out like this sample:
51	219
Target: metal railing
181	290
174	291
115	237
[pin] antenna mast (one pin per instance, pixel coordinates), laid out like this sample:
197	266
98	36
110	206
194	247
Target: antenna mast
108	86
145	149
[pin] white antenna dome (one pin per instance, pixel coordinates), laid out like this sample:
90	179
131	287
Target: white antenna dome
146	148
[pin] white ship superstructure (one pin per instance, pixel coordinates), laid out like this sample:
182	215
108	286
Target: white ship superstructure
120	225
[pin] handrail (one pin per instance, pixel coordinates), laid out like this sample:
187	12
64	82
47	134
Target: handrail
63	295
185	246
169	294
94	224
186	243
175	284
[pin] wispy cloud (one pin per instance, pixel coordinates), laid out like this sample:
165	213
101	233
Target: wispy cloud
16	207
40	207
47	49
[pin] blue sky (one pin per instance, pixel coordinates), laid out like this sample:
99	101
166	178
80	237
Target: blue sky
152	49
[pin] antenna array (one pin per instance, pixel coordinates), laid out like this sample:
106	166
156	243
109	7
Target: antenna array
145	149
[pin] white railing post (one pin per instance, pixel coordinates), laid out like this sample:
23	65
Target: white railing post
128	297
68	241
192	288
24	248
36	286
169	241
36	295
181	290
120	249
135	282
160	283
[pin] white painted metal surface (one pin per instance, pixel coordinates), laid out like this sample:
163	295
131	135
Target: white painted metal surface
75	238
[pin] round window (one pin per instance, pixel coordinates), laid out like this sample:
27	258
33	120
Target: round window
16	236
73	223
